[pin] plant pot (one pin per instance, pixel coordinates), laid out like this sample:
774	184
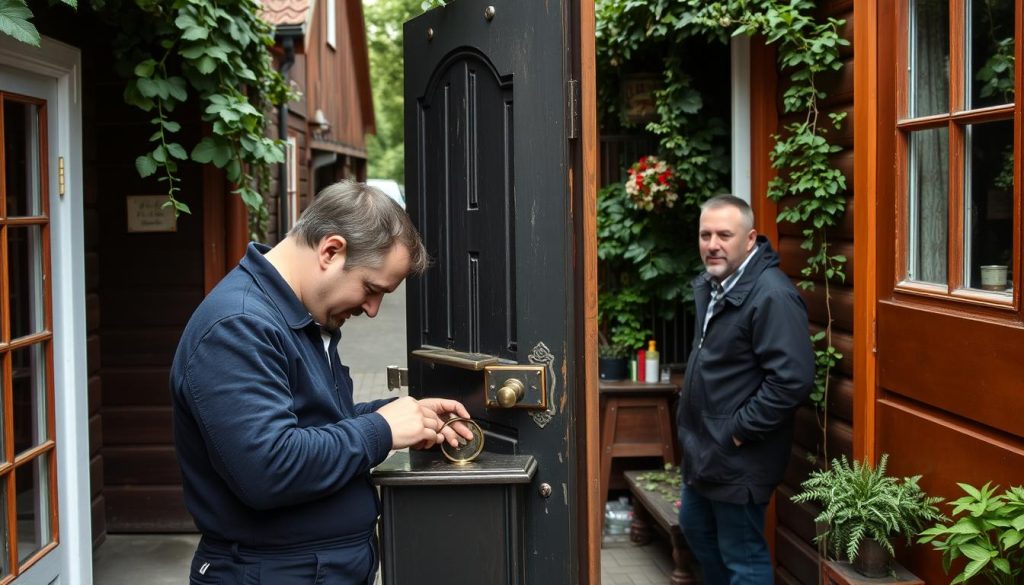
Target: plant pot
872	560
993	277
612	368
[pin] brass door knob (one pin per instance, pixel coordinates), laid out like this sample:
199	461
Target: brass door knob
511	393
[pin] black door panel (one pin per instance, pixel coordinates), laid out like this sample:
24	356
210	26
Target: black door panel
488	185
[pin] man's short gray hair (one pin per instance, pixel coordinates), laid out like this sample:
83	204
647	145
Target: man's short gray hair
727	200
370	221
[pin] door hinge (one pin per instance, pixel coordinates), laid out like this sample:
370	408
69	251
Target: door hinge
60	176
574	109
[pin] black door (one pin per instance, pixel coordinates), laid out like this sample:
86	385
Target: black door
490	131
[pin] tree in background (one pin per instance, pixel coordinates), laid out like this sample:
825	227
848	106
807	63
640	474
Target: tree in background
384	19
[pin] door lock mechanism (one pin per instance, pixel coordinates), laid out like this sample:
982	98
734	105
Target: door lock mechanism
511	393
506	383
516	386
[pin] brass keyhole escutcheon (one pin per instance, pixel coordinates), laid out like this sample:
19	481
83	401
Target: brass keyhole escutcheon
511	393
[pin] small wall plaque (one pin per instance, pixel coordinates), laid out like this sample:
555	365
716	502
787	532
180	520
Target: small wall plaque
638	102
146	213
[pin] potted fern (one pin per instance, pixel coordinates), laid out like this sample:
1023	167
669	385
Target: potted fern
864	509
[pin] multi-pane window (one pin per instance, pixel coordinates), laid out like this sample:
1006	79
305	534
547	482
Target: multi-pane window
28	505
960	128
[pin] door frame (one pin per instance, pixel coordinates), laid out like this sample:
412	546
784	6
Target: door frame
584	194
62	63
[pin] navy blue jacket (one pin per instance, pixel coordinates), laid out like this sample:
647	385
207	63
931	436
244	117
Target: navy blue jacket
747	374
272	450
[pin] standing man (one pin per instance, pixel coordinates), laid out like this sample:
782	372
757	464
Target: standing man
751	366
275	457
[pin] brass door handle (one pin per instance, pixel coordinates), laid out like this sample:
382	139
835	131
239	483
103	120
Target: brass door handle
515	386
511	393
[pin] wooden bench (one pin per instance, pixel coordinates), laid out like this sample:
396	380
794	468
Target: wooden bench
652	508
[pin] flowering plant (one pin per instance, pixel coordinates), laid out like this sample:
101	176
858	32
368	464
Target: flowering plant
652	184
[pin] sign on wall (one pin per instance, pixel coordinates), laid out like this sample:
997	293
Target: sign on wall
147	213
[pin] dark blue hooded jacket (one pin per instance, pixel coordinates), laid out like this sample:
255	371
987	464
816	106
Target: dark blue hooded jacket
747	374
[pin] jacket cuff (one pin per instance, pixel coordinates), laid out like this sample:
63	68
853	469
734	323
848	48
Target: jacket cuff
376	436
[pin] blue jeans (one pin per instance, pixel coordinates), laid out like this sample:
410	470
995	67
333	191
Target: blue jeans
726	539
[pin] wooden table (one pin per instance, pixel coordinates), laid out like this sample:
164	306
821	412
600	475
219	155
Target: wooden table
636	421
653	509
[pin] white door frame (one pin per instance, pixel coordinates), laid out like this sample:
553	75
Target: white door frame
62	63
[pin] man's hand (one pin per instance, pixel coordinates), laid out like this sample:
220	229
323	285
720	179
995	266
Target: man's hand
737	442
418	423
444	409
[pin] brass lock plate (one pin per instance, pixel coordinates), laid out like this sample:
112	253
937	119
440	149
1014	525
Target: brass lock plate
534	379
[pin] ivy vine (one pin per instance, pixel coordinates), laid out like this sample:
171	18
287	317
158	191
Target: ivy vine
215	50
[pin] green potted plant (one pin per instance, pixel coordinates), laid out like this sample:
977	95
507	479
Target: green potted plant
988	532
864	509
622	329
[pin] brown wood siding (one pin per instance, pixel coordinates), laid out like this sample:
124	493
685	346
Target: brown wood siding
796	557
948	373
333	82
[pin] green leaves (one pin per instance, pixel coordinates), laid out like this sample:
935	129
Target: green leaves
988	534
643	263
145	165
14	21
219	54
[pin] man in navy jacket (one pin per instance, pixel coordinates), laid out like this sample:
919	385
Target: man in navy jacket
275	457
751	366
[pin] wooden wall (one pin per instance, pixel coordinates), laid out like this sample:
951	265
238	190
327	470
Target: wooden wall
140	290
337	79
949	388
149	284
795	556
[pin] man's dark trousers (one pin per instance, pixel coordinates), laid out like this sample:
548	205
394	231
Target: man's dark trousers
222	563
727	539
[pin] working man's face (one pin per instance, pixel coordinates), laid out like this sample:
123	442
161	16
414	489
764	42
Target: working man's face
724	240
345	293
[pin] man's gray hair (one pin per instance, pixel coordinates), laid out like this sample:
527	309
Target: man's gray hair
370	221
727	200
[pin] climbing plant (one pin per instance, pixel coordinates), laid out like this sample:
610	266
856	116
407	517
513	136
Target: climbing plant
809	186
170	51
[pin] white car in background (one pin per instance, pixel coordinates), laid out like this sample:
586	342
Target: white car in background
390	188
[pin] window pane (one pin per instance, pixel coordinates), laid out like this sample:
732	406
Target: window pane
32	482
989	206
28	372
929	57
25	272
990	52
928	213
21	156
